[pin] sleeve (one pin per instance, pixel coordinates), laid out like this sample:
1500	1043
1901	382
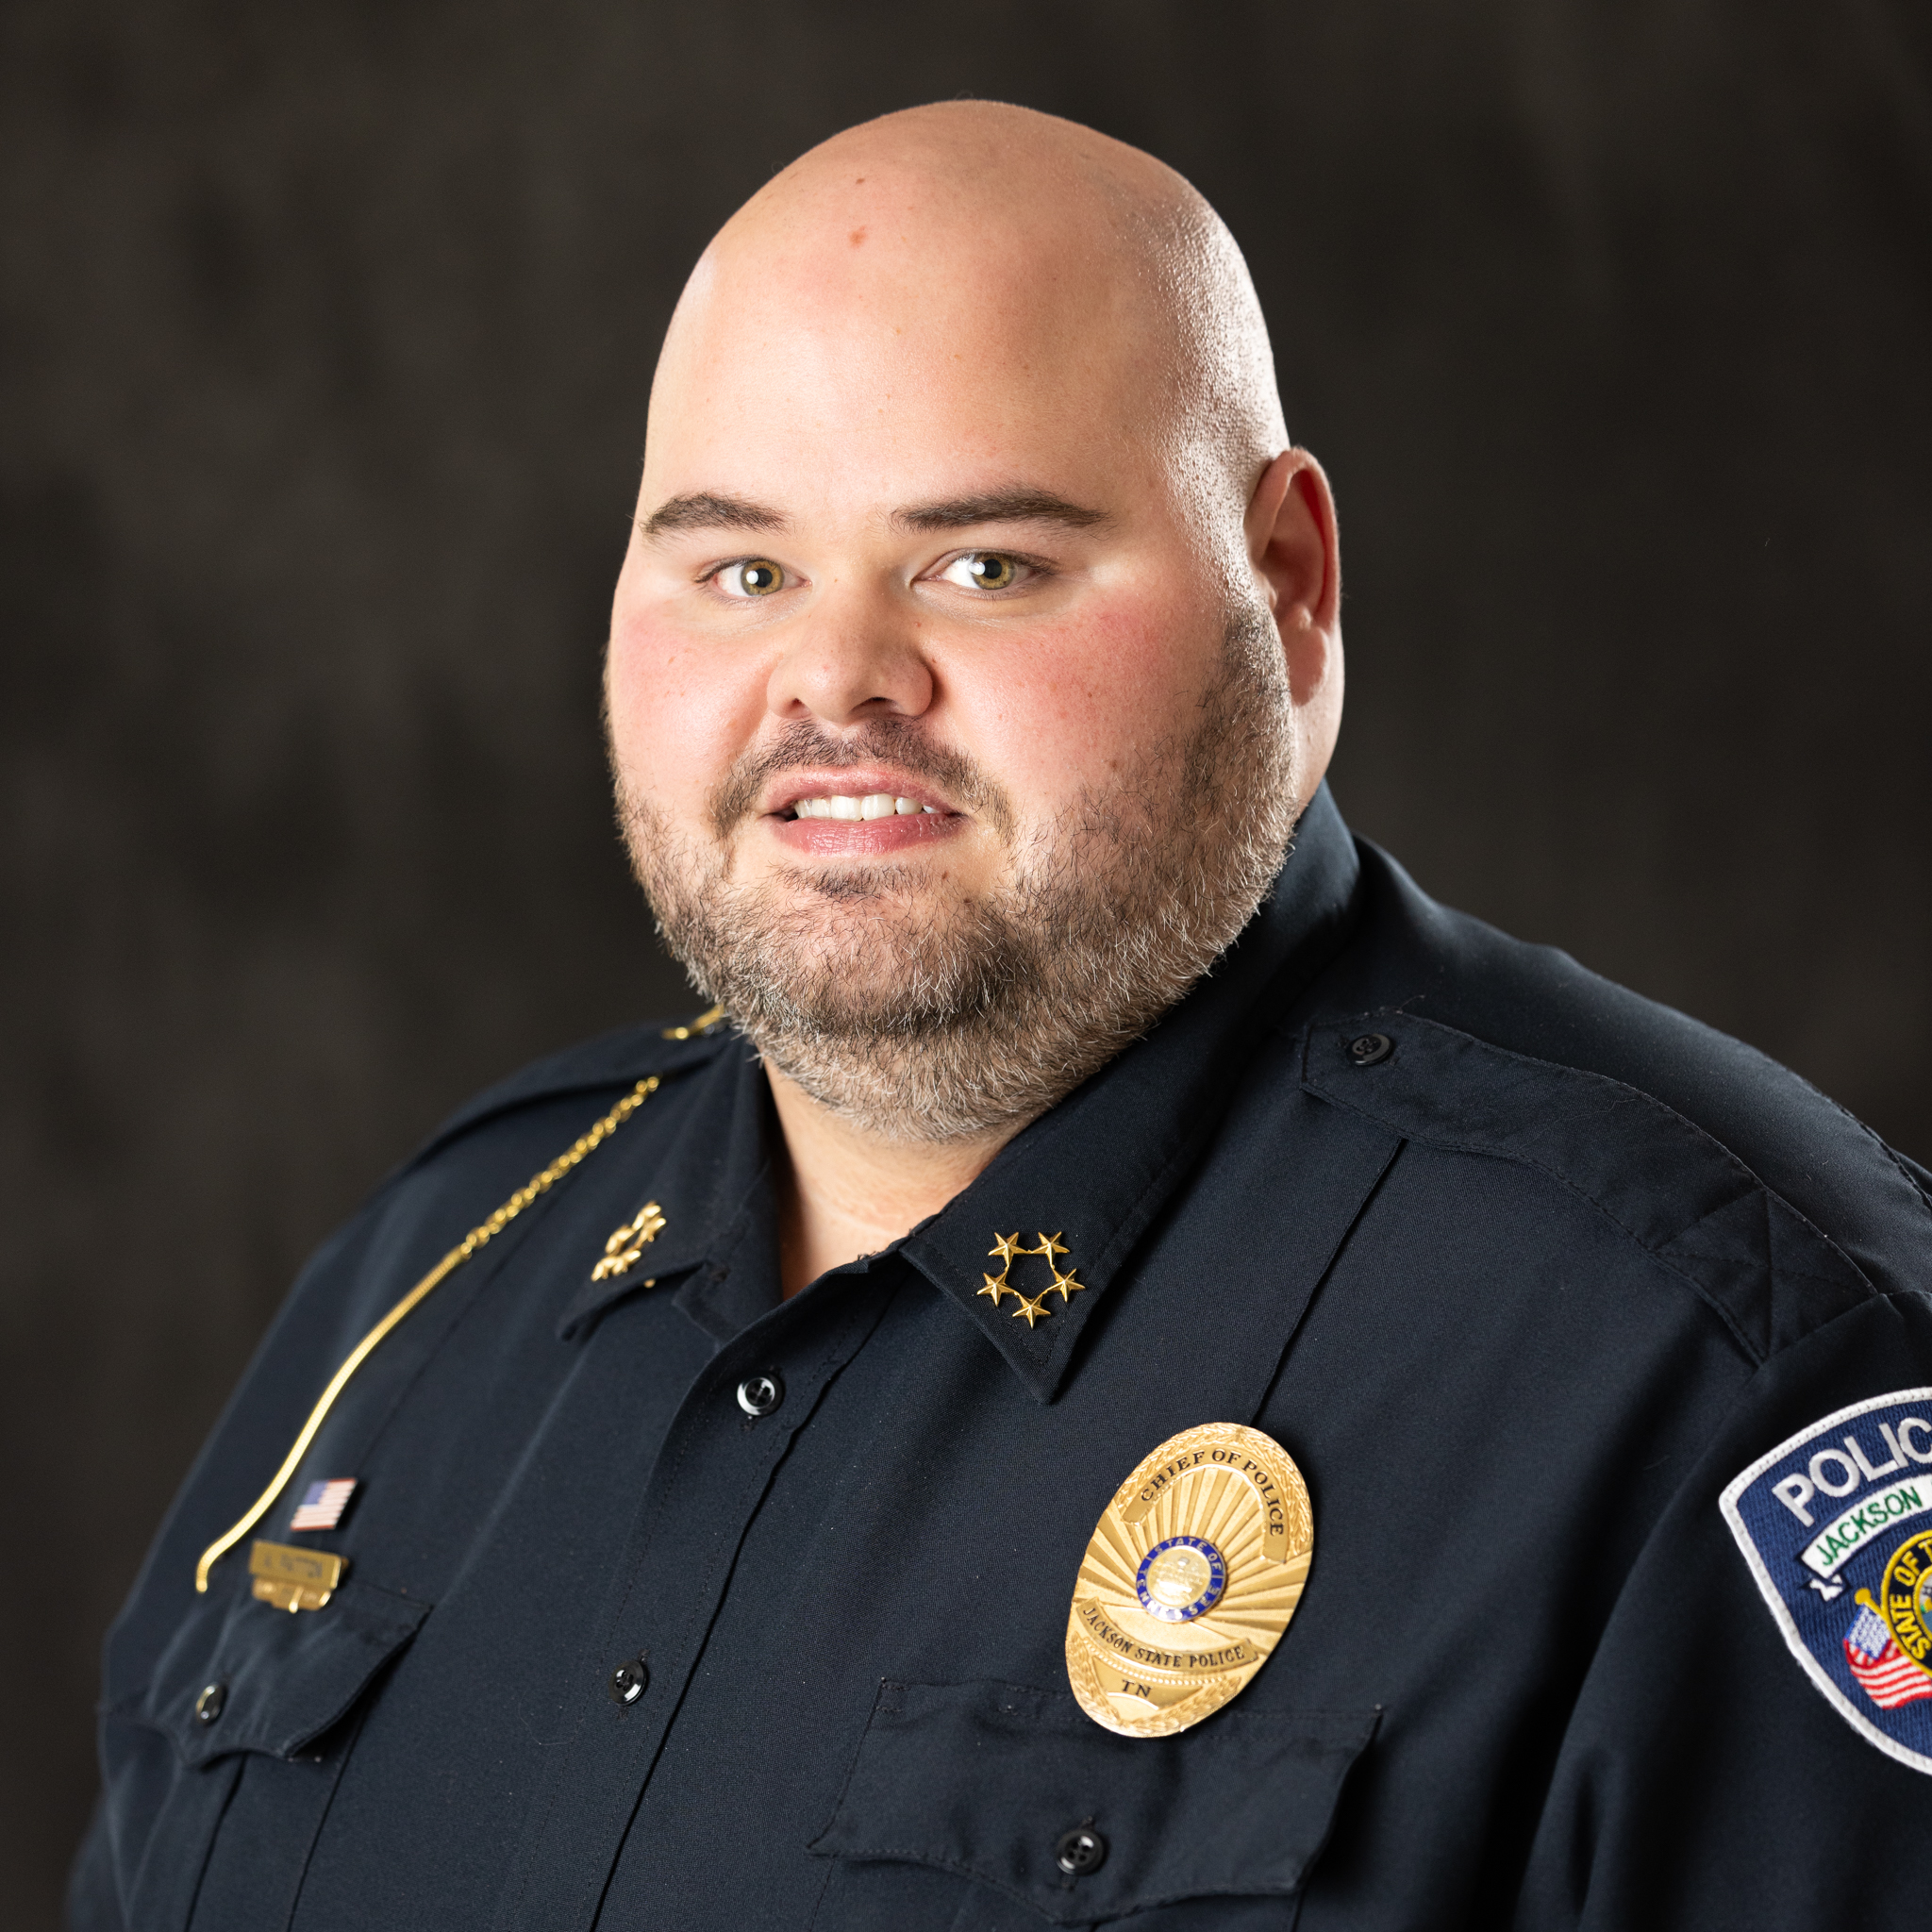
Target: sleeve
1752	1743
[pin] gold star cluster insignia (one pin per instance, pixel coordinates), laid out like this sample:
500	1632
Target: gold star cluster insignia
625	1248
1033	1308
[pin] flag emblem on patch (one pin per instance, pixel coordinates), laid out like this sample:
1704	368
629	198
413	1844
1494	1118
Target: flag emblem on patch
1836	1524
1883	1671
323	1503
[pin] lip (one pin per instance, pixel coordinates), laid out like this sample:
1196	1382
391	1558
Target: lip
857	837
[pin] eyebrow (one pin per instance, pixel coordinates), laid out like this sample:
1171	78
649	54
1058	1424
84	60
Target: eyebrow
999	507
703	511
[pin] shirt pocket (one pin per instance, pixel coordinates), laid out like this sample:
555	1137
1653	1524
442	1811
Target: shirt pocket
983	1781
239	1681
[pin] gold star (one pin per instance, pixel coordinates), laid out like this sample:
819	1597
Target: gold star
624	1247
1066	1283
1007	1245
995	1286
1050	1245
1036	1309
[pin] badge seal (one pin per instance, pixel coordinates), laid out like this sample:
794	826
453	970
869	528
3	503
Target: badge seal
1189	1579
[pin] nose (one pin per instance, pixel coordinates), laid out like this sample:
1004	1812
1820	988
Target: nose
854	658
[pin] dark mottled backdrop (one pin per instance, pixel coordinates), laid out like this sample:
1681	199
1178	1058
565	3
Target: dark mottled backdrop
325	334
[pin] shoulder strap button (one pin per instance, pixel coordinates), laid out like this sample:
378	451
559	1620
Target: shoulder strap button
1369	1049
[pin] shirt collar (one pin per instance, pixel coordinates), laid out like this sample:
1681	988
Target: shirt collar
1093	1171
1096	1169
714	1189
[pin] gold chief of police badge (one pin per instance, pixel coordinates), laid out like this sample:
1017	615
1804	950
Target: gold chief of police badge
1191	1577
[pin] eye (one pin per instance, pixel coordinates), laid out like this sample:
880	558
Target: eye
752	576
985	569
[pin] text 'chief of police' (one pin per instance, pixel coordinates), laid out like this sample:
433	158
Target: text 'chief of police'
1132	1368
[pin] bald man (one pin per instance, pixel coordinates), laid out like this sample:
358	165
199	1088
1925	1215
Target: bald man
1129	1368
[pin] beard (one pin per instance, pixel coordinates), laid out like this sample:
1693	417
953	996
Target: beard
926	1022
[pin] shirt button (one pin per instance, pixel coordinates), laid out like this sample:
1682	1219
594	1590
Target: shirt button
760	1394
1369	1049
1081	1851
629	1679
207	1707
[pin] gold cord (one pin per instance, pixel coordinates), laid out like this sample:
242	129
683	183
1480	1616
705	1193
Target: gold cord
702	1024
476	1238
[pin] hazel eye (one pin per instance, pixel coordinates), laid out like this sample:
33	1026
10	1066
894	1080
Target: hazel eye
984	570
756	576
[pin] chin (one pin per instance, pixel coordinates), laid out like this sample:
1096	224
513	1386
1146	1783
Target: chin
867	947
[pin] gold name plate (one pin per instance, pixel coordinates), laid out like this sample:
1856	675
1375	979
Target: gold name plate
1193	1572
293	1580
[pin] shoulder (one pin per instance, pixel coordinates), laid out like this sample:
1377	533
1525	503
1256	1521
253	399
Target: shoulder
1770	1201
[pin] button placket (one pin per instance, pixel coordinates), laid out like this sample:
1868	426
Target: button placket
701	1502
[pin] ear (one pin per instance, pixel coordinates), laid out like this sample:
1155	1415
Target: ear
1293	545
1296	554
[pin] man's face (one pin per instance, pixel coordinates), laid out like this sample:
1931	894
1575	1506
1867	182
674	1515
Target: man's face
917	646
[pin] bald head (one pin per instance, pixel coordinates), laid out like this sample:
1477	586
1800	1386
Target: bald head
1022	260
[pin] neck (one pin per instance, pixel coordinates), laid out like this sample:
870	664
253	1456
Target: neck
846	1192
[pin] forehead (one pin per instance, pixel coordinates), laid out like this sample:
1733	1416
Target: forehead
911	340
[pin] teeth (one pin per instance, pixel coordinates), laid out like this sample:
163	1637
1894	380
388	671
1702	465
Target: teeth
874	805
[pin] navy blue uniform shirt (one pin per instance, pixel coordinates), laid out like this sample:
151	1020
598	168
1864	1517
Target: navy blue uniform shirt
1526	1273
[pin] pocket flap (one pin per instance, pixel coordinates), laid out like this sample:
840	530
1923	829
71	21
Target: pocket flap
284	1677
985	1780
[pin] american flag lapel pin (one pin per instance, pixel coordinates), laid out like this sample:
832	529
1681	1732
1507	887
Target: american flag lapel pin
323	1503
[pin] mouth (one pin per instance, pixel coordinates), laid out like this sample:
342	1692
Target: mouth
856	813
852	794
845	805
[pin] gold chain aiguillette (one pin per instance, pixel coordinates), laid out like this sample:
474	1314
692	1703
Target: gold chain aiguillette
478	1237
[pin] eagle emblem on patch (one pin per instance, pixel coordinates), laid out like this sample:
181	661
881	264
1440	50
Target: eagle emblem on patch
1836	1524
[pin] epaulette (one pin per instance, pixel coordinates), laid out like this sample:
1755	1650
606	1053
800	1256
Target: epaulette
1769	1273
618	1058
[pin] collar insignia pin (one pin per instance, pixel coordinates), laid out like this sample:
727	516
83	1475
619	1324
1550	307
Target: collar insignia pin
1192	1573
1032	1308
625	1248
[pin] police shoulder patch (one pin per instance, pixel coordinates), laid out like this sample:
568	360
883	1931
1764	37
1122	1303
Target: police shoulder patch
1836	1524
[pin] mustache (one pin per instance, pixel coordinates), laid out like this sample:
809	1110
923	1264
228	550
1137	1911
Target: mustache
878	741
